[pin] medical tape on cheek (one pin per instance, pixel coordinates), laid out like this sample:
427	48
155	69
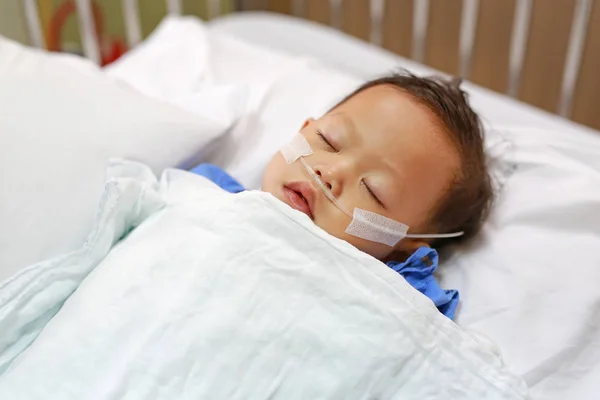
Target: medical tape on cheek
376	228
296	148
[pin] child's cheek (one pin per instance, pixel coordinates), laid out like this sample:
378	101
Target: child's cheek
273	173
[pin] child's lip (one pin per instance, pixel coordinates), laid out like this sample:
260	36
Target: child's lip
301	196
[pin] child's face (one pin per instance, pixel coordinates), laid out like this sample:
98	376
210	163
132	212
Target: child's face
387	155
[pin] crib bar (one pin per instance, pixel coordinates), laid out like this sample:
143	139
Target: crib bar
377	9
468	27
299	8
336	13
214	8
87	30
518	44
420	21
174	7
34	26
398	26
131	15
574	55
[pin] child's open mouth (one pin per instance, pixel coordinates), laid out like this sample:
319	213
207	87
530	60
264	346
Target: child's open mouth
300	195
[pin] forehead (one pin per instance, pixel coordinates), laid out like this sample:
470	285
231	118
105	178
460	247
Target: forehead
395	133
392	122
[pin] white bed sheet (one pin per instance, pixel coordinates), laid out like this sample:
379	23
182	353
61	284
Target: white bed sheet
530	282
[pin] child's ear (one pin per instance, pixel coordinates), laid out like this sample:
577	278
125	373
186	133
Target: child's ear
405	248
308	121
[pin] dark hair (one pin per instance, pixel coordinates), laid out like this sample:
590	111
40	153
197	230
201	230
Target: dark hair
469	197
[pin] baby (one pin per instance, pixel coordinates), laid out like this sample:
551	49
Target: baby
403	149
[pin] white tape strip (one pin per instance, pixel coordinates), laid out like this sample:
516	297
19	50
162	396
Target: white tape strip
376	228
298	147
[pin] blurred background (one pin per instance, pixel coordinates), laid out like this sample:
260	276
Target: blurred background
61	29
543	52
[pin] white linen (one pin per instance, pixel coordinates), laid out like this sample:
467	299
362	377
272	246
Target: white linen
283	91
215	295
173	64
528	282
61	119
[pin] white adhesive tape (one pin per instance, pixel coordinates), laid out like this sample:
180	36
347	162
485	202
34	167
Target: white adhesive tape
376	228
296	148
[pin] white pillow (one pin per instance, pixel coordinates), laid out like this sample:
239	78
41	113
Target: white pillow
283	91
530	282
61	119
286	92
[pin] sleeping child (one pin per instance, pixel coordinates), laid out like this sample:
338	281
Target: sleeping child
395	169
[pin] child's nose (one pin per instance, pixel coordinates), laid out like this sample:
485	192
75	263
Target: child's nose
333	182
328	184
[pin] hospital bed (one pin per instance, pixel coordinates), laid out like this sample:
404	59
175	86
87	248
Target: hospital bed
530	282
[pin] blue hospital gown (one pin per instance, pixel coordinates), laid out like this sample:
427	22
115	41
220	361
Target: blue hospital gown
418	269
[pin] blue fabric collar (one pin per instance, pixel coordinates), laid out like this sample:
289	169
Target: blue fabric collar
418	271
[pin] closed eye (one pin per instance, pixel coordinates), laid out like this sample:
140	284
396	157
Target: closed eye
327	142
368	189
